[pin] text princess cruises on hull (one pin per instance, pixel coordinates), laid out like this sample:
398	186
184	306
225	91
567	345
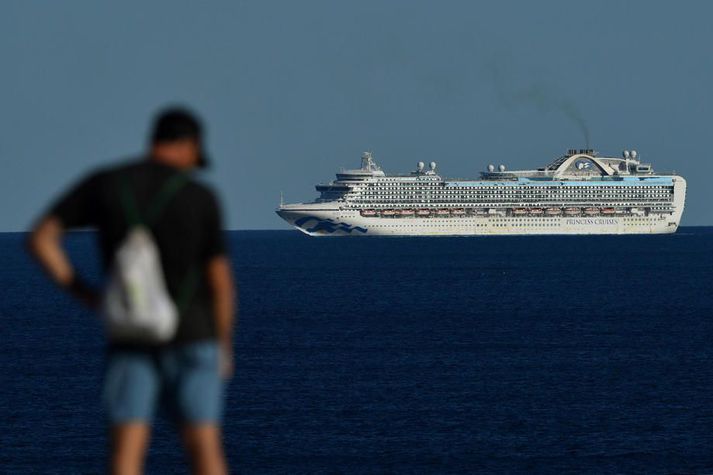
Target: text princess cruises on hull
579	193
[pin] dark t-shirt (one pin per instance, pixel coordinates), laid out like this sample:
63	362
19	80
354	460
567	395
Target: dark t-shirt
187	231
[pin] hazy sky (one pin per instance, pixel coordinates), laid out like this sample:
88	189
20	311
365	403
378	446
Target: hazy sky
294	90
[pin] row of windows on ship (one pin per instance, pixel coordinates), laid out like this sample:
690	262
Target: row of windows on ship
473	191
515	212
509	194
537	189
650	190
478	186
505	195
530	199
557	223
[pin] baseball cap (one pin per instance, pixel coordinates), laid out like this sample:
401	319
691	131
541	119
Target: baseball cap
178	123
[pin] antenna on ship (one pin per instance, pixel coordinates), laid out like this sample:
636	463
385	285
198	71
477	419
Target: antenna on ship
282	199
367	162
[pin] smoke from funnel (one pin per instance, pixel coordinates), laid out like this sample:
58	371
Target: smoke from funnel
541	96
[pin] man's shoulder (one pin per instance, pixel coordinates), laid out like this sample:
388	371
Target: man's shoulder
111	171
202	191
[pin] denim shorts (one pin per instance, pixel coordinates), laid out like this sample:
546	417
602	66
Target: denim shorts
183	380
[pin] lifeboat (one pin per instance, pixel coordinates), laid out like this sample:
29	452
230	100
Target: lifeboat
388	212
423	212
519	211
406	212
481	212
442	212
536	211
458	212
367	212
591	211
608	211
553	211
572	211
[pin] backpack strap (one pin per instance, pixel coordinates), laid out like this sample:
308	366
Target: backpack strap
164	195
128	203
166	192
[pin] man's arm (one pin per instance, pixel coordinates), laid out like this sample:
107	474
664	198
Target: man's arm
224	292
45	245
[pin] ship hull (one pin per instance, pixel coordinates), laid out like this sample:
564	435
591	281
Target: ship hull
351	223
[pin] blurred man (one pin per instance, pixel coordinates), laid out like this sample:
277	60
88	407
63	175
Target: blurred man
185	375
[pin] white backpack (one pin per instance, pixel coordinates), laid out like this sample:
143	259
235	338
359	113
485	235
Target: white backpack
136	305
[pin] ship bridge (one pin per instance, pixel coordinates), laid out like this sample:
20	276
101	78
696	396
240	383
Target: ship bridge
369	169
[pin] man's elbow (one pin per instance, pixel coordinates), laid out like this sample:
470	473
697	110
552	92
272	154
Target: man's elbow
42	234
33	242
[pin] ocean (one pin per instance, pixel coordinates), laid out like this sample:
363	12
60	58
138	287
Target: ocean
557	354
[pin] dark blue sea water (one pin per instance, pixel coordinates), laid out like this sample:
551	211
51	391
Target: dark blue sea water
493	355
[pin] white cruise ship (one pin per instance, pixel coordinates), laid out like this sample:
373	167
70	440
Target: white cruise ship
578	193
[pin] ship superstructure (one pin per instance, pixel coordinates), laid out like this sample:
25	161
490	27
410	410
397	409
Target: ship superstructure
580	192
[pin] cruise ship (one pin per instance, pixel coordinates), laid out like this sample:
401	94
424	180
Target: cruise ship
580	192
